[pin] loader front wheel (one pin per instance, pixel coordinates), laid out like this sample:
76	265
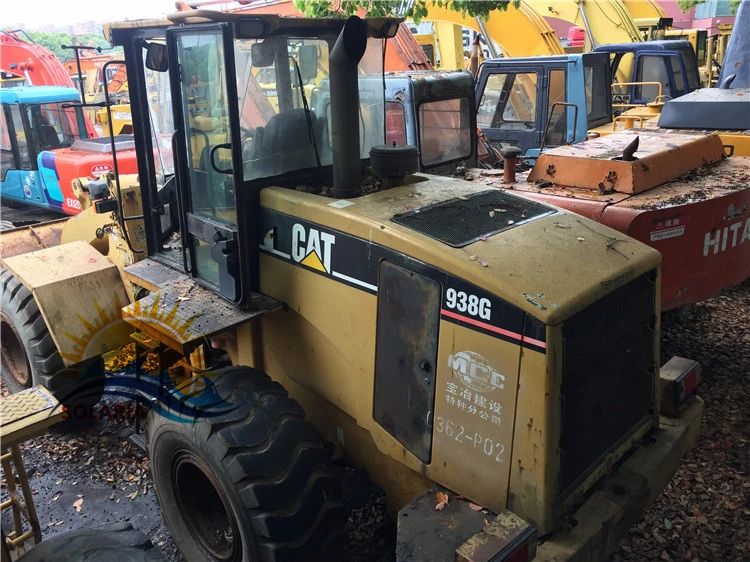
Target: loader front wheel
240	475
29	355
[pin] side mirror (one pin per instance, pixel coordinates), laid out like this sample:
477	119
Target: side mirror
308	62
156	57
261	54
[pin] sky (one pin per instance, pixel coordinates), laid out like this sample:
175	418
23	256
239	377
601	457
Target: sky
37	13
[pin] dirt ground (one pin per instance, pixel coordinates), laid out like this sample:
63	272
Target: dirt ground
703	515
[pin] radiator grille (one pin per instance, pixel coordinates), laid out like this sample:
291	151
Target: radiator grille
608	377
459	222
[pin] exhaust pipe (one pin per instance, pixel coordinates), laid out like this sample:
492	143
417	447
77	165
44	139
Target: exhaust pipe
345	142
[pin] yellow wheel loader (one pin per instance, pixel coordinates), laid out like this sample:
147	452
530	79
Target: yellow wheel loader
468	347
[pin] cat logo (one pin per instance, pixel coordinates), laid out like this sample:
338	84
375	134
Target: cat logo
312	248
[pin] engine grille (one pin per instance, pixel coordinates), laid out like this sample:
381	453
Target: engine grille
608	377
459	222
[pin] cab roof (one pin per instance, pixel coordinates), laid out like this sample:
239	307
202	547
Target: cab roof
39	94
379	28
661	45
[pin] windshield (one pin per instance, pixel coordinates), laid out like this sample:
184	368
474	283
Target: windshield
56	125
275	78
278	136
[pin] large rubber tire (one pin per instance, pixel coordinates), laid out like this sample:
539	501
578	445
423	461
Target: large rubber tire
29	354
247	467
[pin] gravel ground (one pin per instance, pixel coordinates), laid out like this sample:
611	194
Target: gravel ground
703	515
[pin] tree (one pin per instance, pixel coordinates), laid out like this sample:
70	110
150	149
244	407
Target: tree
685	5
415	10
54	41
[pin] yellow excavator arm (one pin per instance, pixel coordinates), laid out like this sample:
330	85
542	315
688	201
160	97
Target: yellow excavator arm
520	32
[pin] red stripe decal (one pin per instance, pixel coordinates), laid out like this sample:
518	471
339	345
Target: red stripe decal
492	328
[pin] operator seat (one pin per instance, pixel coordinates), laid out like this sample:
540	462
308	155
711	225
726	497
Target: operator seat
283	145
48	138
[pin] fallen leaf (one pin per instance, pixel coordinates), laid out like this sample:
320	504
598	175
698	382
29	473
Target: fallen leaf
59	523
440	506
475	507
499	210
57	497
442	497
492	213
77	504
130	476
133	495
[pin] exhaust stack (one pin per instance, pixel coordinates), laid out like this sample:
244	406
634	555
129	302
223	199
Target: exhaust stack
345	142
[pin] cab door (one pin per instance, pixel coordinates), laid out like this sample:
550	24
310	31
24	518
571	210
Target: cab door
208	156
509	99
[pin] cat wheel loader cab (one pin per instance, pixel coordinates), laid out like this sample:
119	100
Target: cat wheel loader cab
441	335
46	145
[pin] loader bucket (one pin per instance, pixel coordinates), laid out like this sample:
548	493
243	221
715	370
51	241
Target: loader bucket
29	238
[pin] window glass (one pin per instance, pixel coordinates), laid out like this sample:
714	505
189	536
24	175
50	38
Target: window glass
279	137
395	123
444	131
521	106
558	118
693	78
490	97
7	158
56	125
429	52
679	79
651	68
23	142
509	102
701	45
597	96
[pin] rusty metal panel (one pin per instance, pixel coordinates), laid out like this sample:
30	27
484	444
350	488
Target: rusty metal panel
406	355
599	164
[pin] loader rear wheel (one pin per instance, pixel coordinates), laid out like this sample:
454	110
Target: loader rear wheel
29	356
245	478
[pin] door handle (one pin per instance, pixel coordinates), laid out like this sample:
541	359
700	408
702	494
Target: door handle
212	153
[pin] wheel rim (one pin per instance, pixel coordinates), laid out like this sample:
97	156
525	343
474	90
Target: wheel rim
14	361
205	508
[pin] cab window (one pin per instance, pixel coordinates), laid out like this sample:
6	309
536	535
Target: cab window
7	158
444	131
56	125
395	123
651	68
518	112
21	139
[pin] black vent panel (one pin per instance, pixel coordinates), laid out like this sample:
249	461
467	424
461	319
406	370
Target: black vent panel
608	377
461	221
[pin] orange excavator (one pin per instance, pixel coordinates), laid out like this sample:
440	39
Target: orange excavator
27	59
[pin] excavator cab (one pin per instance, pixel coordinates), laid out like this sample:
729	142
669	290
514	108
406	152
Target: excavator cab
515	100
36	121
